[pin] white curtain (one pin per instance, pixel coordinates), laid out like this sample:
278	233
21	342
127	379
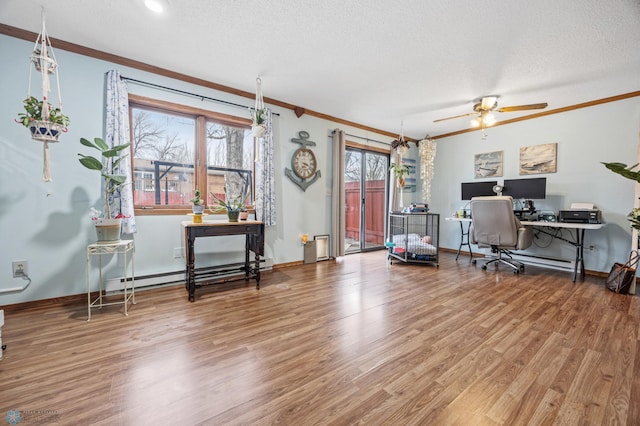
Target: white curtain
265	176
394	192
338	203
117	133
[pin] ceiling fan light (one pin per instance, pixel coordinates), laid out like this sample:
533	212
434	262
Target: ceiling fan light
156	6
489	119
488	103
475	122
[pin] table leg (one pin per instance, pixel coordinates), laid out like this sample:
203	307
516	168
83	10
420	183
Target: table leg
247	263
88	288
578	266
191	278
257	260
463	242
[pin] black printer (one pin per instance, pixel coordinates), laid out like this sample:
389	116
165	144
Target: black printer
579	216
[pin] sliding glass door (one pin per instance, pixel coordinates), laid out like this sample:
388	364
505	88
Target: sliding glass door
366	199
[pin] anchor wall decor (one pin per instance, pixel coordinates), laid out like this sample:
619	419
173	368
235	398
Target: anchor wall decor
304	165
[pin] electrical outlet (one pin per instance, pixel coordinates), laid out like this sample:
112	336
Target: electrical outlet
19	268
591	248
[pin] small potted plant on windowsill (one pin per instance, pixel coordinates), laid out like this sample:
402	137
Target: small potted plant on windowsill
198	202
107	227
231	205
43	126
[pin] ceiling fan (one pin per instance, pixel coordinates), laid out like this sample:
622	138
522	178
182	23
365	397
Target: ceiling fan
485	107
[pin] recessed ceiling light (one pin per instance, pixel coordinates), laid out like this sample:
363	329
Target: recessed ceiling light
156	6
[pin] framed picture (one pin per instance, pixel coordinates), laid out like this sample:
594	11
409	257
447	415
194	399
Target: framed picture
411	164
322	247
410	185
538	159
488	164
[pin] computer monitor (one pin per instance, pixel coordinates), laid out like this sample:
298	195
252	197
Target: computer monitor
477	189
529	189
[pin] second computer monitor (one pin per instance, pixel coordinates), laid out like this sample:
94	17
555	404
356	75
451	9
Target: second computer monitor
530	189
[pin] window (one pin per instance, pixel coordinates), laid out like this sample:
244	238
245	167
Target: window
176	149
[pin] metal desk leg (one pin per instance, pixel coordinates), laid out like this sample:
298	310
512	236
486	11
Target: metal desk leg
579	262
464	234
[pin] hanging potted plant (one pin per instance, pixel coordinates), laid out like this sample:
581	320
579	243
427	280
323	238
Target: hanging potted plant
399	170
400	145
44	122
258	113
107	227
258	125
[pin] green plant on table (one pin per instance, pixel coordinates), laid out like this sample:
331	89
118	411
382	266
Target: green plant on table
230	203
197	198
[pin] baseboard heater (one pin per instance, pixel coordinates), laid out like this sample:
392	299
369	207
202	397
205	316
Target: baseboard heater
172	278
546	262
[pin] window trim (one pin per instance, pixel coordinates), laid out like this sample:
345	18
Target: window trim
201	116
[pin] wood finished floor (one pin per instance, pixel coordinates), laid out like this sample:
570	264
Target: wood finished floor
356	341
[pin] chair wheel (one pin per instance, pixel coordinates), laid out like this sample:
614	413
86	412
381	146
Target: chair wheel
516	272
484	266
522	268
473	261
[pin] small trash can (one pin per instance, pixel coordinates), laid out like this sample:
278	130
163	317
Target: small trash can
310	252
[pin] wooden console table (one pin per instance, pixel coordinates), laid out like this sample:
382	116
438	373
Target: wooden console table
254	232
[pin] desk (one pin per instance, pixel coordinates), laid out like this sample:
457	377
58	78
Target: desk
124	247
577	241
464	235
254	232
544	227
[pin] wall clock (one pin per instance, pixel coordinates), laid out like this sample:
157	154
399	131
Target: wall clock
304	165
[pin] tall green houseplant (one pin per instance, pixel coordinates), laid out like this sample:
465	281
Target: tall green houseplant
629	173
624	171
107	166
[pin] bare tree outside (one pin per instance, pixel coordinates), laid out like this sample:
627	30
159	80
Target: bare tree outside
164	152
375	167
226	148
145	133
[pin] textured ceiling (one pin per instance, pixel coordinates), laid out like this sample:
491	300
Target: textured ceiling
379	63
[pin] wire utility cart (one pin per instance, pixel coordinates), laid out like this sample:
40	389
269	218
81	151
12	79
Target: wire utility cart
414	237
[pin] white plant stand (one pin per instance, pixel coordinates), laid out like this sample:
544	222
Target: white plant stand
124	247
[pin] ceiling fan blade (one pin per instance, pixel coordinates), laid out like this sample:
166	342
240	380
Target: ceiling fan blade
522	107
455	116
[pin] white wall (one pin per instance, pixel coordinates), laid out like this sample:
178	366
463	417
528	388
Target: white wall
48	224
585	137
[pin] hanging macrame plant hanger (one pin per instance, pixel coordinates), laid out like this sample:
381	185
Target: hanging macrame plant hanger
46	123
258	117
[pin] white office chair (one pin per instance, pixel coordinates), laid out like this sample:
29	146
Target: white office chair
494	225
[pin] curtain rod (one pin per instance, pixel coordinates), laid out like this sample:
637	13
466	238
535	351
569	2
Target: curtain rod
182	92
367	139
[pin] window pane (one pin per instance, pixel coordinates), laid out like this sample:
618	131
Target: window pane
230	161
163	158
